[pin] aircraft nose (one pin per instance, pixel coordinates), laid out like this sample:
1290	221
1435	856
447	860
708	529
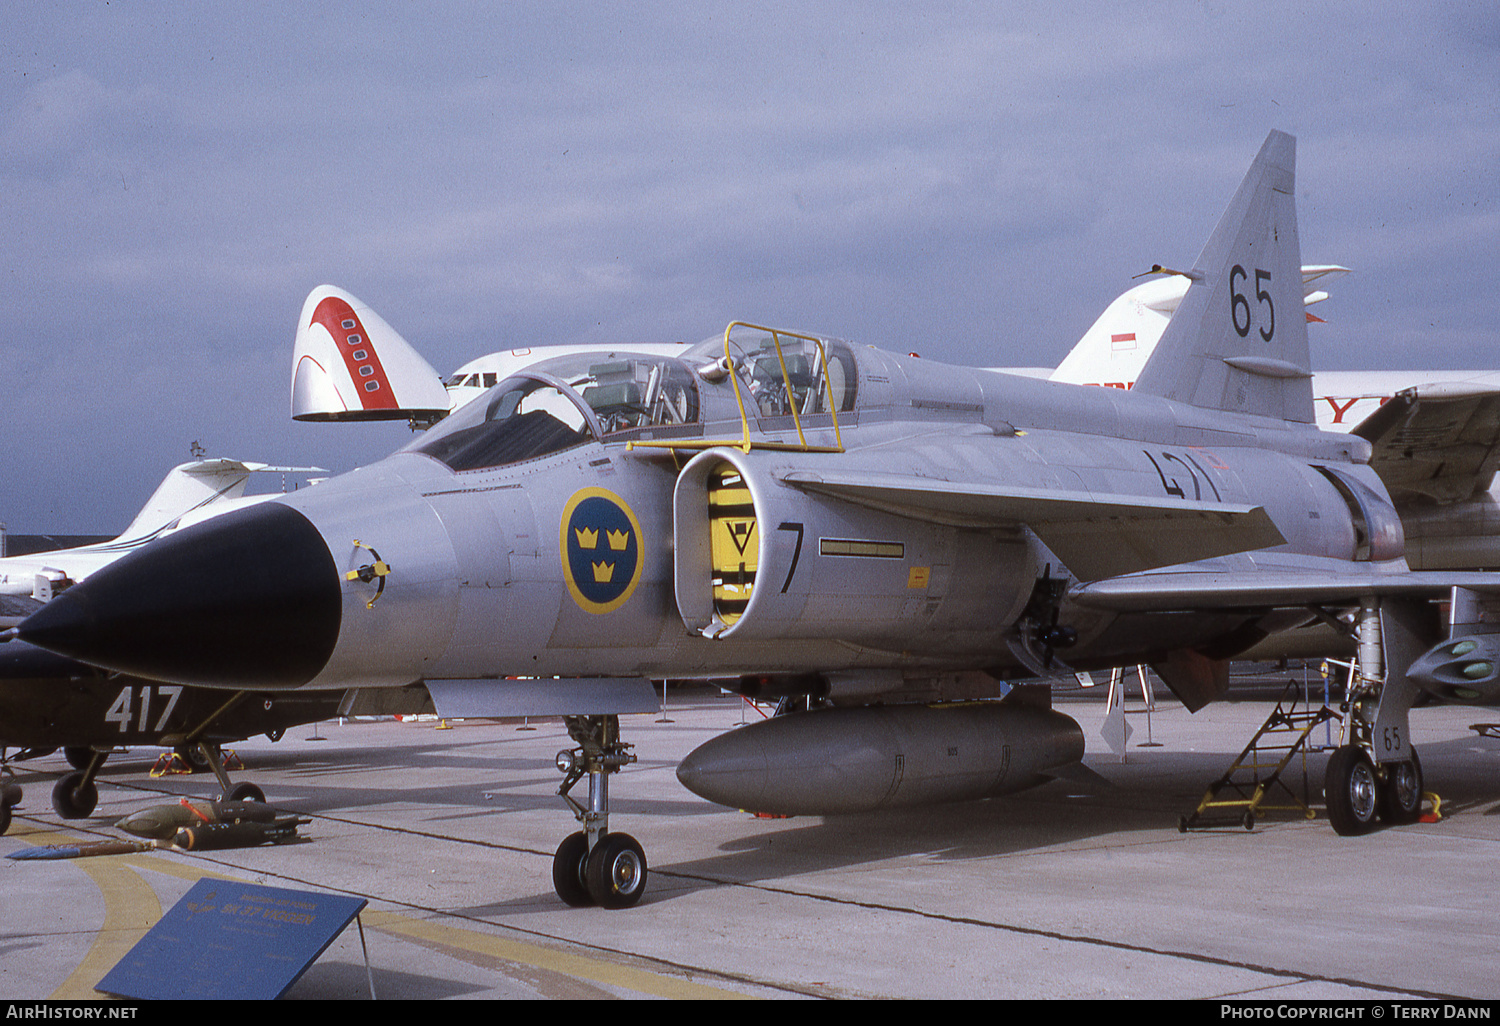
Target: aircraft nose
250	599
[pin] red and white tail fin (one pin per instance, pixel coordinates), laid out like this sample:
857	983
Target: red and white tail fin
1113	351
349	364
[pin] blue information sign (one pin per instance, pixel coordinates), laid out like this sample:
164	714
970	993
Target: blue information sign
227	939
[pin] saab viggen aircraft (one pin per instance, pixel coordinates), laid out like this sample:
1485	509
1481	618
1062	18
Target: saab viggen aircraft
893	535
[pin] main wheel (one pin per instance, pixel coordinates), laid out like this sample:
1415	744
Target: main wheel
568	867
616	871
245	792
193	758
72	799
1401	793
1350	789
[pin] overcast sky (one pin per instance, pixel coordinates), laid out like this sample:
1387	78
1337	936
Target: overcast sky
972	181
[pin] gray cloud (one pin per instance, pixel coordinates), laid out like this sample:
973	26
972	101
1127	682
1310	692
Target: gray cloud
974	181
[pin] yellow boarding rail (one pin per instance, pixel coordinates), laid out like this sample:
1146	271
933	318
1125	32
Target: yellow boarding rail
745	443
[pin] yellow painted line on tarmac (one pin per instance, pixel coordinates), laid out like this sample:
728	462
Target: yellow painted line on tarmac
170	867
130	909
579	967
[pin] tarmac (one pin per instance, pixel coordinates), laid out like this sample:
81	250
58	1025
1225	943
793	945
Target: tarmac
1065	891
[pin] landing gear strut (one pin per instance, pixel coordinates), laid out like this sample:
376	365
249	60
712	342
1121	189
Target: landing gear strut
594	866
200	753
1360	790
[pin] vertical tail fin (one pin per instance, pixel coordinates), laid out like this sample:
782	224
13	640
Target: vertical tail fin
187	487
1238	341
1117	345
192	487
349	364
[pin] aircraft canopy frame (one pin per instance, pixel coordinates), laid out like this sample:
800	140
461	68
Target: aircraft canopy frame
793	390
561	404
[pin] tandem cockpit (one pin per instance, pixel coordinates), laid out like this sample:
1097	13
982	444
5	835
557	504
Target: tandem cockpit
774	378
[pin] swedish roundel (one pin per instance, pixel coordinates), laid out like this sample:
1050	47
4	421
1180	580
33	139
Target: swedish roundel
600	543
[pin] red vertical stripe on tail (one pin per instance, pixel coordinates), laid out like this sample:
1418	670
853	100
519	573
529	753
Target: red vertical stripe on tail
339	320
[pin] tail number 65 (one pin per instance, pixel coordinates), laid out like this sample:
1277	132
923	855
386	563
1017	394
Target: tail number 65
1239	303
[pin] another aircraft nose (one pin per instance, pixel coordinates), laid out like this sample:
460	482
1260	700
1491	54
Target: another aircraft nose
250	599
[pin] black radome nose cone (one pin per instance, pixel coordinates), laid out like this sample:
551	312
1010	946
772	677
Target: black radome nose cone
250	599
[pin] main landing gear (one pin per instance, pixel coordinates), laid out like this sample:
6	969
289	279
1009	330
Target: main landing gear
594	866
1360	788
75	795
1360	793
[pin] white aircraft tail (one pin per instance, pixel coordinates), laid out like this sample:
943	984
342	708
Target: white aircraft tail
1238	340
1117	345
189	487
190	492
349	364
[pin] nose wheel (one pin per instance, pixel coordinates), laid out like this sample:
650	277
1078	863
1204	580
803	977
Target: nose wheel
594	866
74	796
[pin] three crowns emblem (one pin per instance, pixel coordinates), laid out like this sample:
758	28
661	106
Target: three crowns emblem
588	538
601	548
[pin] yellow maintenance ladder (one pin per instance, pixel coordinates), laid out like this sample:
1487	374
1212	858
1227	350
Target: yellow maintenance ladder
1280	739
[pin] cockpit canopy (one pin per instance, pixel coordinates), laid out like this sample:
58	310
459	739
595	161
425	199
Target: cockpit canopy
820	374
610	396
561	403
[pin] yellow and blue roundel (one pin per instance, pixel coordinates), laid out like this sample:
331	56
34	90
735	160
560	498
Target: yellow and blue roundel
600	543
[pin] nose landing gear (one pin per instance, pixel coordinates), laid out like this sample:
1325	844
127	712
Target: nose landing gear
594	866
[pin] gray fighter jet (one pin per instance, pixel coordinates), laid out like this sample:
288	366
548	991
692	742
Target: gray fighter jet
887	534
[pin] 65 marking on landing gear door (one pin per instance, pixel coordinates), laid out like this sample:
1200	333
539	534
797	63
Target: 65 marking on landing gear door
599	542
